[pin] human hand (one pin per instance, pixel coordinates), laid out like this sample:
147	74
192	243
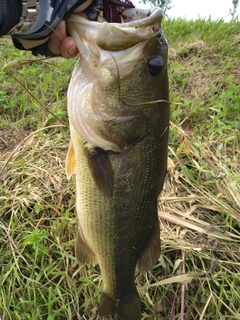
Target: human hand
49	42
61	44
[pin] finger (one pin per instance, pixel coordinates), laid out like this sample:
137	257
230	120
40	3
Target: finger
68	48
57	37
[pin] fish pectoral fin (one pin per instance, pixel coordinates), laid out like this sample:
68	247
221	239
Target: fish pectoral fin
70	161
83	253
101	169
151	252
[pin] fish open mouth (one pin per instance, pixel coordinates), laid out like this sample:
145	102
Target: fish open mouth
141	25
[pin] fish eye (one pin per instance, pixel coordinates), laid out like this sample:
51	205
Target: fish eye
155	66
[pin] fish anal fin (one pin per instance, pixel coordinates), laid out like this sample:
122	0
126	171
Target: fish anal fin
101	169
70	161
83	253
151	252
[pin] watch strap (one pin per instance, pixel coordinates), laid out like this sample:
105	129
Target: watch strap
30	10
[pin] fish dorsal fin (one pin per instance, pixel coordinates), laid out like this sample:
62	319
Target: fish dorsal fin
70	161
101	169
151	252
83	253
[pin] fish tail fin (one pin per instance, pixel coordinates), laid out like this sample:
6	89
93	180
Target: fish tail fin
107	305
128	308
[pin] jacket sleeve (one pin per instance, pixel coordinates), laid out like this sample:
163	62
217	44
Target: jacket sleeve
51	13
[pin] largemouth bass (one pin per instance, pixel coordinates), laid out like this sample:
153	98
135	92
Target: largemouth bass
119	119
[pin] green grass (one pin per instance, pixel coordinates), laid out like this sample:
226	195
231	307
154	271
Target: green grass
198	273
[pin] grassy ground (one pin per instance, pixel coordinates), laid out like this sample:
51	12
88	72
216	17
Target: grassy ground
198	273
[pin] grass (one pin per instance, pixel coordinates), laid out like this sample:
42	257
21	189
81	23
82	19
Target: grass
198	273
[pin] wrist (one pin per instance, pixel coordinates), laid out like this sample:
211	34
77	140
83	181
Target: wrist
30	11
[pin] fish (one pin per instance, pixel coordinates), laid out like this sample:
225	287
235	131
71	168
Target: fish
118	109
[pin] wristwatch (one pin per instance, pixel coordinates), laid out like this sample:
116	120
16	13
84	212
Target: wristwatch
30	10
